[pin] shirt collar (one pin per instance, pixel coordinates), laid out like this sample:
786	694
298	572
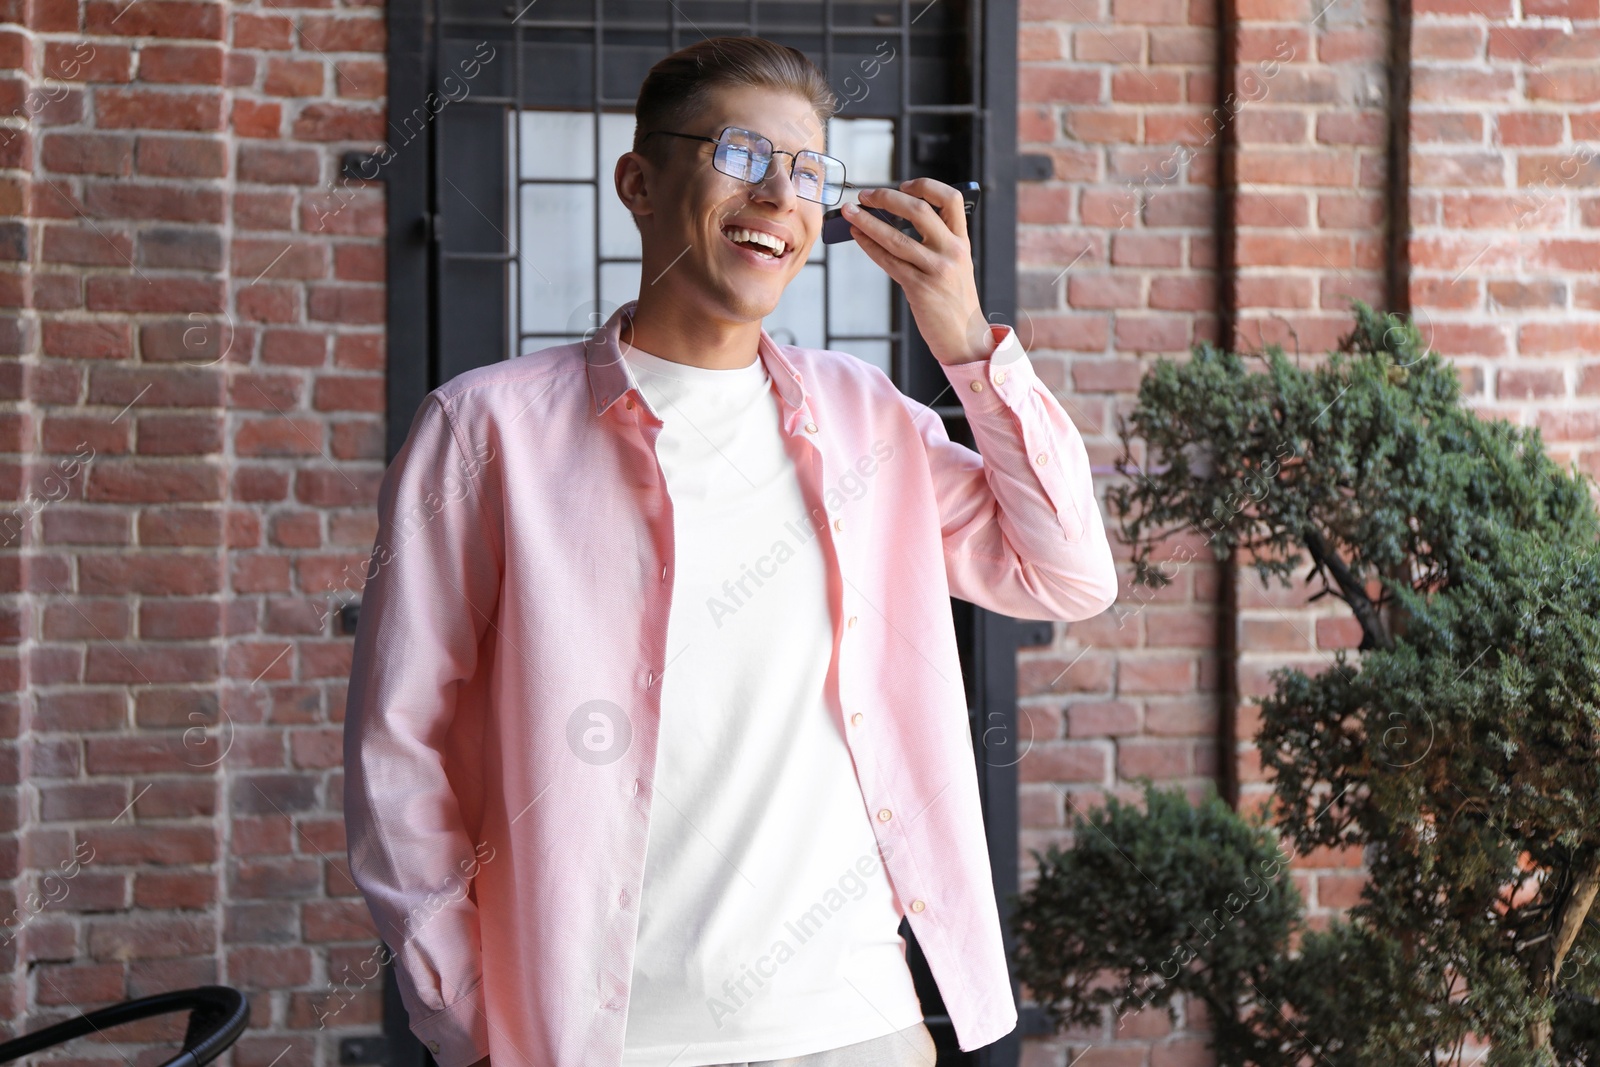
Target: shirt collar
610	376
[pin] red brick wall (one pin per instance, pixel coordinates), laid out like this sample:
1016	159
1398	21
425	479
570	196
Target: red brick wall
1310	176
1504	244
194	422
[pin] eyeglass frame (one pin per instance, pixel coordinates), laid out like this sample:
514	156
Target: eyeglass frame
794	157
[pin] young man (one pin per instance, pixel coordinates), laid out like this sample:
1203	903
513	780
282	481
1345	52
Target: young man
656	727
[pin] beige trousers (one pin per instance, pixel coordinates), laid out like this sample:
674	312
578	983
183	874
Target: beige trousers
911	1047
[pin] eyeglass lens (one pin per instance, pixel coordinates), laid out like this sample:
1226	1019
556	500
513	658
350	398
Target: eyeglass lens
746	155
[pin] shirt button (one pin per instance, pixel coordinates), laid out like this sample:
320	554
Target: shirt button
433	1046
977	387
855	720
811	427
630	403
999	377
1042	458
917	905
850	621
622	898
838	524
663	574
883	815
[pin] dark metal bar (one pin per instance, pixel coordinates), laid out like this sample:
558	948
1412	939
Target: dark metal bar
900	354
1227	327
994	31
407	207
1398	183
516	277
435	205
560	181
828	33
705	25
597	44
1227	177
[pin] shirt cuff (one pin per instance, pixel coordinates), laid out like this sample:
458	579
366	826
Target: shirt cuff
458	1036
989	386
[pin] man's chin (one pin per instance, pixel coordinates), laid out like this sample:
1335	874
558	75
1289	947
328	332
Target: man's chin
750	301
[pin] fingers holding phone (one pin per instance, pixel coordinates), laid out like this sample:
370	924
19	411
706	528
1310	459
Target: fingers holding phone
836	225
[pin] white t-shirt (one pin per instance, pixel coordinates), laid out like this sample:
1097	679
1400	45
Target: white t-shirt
767	925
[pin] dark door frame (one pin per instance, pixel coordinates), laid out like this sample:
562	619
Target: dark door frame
989	642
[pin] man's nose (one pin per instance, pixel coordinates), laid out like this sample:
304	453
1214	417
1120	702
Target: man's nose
777	183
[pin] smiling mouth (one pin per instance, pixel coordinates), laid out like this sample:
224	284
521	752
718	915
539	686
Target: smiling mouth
748	239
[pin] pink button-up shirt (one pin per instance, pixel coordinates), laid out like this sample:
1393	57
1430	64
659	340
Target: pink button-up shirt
500	732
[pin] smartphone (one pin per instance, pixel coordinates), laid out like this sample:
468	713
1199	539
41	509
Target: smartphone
836	228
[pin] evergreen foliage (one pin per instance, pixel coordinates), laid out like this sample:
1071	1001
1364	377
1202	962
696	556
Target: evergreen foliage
1459	749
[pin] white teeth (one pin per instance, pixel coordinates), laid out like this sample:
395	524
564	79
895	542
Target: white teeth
735	233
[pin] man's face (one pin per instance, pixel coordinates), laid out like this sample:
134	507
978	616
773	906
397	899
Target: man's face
688	222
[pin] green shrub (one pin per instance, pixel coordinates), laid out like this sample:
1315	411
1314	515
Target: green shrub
1459	749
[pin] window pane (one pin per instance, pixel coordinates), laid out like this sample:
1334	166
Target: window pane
865	74
629	56
858	294
557	144
556	10
941	70
635	12
866	146
531	345
558	67
797	320
873	352
619	283
477	63
881	13
618	236
557	255
858	289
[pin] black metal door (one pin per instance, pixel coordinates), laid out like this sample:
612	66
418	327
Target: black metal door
504	238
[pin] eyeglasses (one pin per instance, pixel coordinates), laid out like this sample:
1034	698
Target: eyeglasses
745	155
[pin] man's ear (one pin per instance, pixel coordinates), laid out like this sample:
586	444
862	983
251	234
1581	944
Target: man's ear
634	178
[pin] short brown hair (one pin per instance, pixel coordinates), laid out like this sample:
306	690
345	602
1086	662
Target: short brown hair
676	89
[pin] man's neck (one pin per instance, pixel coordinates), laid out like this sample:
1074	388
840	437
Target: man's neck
683	335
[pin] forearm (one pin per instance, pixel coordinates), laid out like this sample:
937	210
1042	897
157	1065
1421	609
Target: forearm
1034	508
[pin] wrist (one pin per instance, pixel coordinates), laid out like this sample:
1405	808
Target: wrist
979	349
